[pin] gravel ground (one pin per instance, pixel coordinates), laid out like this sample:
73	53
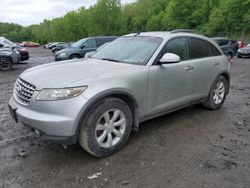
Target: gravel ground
192	147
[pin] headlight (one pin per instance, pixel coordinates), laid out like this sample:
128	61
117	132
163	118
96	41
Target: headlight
63	54
59	94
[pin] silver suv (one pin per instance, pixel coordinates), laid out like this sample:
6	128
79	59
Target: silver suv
99	100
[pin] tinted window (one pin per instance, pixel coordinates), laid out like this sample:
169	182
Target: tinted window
214	51
199	48
178	46
101	41
90	43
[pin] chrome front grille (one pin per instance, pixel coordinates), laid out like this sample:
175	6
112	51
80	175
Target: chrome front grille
23	91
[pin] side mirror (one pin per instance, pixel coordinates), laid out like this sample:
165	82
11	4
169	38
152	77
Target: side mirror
169	58
1	45
83	46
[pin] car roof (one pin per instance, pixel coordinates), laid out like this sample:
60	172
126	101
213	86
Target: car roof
166	34
219	38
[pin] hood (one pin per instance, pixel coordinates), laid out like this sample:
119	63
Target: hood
5	51
75	73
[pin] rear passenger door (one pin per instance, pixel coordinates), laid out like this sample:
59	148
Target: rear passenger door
204	60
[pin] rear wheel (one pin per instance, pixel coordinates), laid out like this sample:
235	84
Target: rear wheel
106	128
217	94
5	63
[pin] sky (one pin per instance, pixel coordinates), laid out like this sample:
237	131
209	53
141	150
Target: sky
27	12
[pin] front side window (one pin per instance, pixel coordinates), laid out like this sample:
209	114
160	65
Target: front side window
79	43
178	46
90	43
132	50
199	48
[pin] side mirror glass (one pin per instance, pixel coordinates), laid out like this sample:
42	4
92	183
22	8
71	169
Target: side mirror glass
169	58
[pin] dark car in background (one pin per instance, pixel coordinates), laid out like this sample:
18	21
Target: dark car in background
244	52
229	47
81	47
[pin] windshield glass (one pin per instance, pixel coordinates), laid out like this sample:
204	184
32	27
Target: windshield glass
79	43
132	50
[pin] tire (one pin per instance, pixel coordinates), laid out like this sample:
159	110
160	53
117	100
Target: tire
239	56
95	128
5	63
75	56
212	102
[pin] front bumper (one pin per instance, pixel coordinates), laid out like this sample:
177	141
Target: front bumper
59	58
55	120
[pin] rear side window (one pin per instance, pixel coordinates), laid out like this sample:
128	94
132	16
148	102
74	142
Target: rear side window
214	51
178	46
101	41
199	48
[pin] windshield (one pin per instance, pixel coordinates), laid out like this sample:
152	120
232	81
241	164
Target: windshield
79	43
132	50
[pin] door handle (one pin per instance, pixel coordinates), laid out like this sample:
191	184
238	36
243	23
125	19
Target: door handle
189	68
216	64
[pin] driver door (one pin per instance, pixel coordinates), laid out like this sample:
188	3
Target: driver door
168	84
88	46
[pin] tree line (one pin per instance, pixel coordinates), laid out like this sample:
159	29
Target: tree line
110	17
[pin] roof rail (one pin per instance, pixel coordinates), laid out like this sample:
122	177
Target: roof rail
182	31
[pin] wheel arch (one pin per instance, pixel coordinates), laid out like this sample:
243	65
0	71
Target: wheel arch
75	54
227	76
122	95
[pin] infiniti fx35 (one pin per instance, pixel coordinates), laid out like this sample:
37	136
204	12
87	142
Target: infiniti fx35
98	101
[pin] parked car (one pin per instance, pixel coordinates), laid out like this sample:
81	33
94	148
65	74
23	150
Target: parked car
229	47
59	47
30	44
79	48
99	100
54	44
90	54
244	52
23	52
8	56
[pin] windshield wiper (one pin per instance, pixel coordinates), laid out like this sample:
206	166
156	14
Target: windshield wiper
108	59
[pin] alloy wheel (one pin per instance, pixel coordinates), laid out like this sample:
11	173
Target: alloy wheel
110	128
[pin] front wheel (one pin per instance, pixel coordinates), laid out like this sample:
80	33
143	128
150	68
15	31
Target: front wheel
217	94
107	127
5	64
74	56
